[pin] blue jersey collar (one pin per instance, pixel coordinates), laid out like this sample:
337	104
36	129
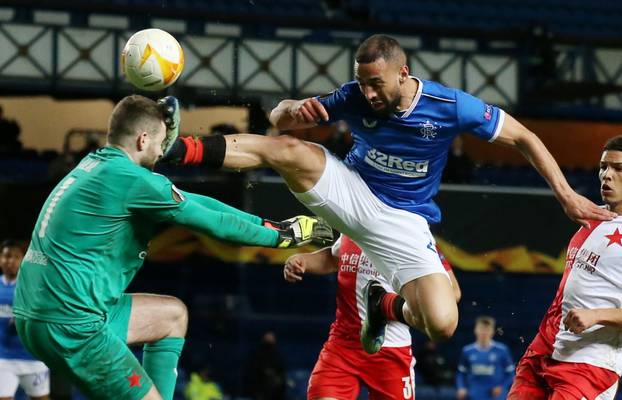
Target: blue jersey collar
8	282
410	109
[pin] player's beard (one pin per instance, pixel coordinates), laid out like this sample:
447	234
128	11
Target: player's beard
390	107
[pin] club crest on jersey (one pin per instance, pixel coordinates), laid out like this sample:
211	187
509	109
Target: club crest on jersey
428	129
370	123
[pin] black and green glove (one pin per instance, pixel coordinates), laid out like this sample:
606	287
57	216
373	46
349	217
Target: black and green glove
301	230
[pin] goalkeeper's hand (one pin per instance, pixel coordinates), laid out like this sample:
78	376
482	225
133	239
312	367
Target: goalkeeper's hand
301	230
172	120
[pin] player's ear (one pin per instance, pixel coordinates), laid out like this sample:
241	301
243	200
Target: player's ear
404	73
141	141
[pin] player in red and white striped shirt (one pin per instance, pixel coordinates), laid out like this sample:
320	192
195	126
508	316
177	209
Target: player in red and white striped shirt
343	364
577	353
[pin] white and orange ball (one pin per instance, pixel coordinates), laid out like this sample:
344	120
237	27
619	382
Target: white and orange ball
152	59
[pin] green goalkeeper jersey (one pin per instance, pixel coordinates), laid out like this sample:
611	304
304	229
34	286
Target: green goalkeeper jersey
93	233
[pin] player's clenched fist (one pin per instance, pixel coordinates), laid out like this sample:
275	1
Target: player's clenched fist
308	111
294	268
578	320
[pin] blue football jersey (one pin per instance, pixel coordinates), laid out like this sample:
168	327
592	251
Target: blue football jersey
401	157
10	346
481	369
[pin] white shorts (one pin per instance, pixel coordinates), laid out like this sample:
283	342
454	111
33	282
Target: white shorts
32	376
398	243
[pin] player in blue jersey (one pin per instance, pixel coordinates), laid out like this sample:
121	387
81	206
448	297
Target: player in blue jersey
382	194
17	366
486	369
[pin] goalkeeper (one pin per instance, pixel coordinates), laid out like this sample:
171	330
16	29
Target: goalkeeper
90	239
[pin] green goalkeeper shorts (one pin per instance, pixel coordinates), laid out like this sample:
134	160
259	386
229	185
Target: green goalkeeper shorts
93	355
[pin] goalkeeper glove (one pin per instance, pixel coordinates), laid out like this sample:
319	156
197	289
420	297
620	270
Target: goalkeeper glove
301	230
172	120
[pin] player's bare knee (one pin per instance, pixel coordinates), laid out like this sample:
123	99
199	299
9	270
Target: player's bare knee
178	317
442	329
286	151
442	324
152	394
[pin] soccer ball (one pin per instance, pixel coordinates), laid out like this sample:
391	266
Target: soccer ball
152	59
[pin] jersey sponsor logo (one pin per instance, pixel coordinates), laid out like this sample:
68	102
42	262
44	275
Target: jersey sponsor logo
428	129
88	164
587	260
6	311
589	256
483	369
572	254
370	123
359	269
396	165
357	263
36	257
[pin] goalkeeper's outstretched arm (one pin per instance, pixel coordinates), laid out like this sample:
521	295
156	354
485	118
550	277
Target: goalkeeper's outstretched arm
243	228
295	231
226	226
216	205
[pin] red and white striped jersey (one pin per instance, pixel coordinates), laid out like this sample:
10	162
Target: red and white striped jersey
592	279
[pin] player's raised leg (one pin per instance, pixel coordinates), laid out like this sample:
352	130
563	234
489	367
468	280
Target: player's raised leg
300	163
160	322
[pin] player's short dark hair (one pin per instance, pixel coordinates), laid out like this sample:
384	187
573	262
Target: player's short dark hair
485	320
132	115
380	46
615	143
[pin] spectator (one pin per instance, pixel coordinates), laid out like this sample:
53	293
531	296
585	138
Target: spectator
459	168
17	366
265	373
9	136
485	370
202	387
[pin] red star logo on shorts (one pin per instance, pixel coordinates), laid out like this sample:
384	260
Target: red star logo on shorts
134	379
615	237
